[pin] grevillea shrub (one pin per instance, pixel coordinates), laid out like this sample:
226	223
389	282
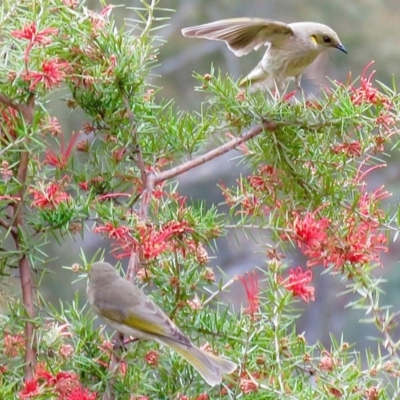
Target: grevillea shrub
304	187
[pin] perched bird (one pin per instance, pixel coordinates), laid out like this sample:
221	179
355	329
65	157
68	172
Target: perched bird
128	310
290	47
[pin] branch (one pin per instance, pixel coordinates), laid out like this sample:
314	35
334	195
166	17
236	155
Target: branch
7	226
223	288
180	169
18	223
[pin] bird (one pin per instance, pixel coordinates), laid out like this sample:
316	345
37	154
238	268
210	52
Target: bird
130	311
290	47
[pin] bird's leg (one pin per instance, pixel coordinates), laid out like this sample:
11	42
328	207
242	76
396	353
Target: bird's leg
297	80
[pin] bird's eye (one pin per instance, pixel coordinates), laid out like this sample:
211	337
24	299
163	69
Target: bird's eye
327	39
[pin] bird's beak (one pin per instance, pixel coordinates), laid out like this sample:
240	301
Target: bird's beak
341	48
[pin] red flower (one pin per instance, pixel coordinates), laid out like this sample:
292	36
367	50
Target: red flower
152	357
152	242
13	344
49	197
248	386
113	232
60	160
9	118
31	389
65	382
297	282
366	93
350	149
52	74
30	33
202	396
80	393
309	232
252	288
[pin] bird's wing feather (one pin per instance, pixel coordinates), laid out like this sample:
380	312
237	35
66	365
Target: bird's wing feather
242	35
130	306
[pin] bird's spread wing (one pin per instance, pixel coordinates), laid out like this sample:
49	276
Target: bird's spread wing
242	35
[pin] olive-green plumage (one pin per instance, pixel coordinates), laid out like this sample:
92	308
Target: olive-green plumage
128	310
291	47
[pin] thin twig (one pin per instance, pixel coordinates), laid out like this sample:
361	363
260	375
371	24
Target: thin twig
215	294
150	17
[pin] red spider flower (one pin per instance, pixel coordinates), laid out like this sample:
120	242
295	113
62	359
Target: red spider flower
366	93
13	344
248	386
99	20
60	161
202	396
80	393
152	357
49	197
252	288
152	241
30	32
308	231
297	282
31	389
52	74
350	149
9	118
113	232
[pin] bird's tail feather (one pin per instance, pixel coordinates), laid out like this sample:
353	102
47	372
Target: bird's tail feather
210	367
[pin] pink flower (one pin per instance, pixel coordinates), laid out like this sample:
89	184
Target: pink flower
348	148
366	93
31	389
152	357
252	288
52	74
80	393
112	231
30	32
248	386
60	160
308	231
297	282
49	197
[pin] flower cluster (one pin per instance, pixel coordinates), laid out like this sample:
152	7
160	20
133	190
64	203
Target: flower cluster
252	190
49	197
64	385
296	283
357	241
30	32
148	240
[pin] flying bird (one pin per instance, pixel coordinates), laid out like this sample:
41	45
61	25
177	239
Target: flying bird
290	47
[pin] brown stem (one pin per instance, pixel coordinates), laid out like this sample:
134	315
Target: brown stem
180	169
18	224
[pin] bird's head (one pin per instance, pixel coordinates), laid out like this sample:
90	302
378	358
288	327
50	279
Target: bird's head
320	35
323	36
102	273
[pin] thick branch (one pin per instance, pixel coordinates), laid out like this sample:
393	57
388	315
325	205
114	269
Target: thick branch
17	225
180	169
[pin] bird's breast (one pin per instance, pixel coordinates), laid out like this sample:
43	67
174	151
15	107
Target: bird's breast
287	62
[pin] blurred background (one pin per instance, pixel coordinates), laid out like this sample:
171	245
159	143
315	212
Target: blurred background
370	30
